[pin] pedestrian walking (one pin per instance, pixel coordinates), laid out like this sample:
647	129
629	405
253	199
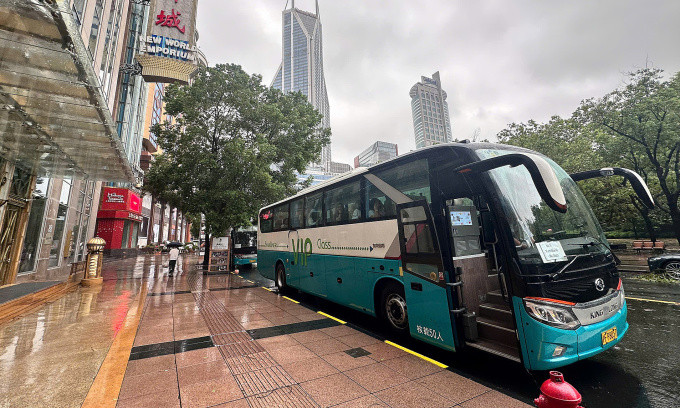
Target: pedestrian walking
174	254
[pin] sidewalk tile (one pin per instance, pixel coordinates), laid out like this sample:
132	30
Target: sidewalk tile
291	354
494	399
376	377
209	393
277	342
138	385
326	346
310	336
382	351
333	389
358	340
411	395
412	366
343	361
199	356
369	401
201	372
164	399
309	369
150	365
452	386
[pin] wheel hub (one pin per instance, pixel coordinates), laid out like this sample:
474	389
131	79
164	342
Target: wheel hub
396	311
673	270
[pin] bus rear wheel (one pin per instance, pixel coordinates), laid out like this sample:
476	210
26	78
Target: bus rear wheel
281	277
393	308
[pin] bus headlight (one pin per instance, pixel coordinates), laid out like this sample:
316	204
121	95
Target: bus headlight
552	314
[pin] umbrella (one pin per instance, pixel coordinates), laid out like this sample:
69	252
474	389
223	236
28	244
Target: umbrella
174	244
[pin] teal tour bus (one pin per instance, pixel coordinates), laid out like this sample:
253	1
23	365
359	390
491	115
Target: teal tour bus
460	245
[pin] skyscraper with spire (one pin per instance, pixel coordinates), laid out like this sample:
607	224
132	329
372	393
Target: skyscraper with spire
301	69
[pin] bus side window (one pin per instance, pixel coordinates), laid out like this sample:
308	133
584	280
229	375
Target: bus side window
281	217
266	221
297	213
377	204
412	179
313	210
342	204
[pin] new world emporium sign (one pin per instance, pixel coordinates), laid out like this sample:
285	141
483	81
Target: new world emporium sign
168	51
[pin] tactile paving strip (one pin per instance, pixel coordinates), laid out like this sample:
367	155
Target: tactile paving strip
287	397
230	338
240	349
250	362
265	380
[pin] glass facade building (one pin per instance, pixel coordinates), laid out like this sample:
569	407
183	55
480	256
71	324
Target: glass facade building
431	121
301	69
376	153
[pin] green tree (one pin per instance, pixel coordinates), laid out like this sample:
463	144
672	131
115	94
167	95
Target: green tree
571	143
642	126
234	147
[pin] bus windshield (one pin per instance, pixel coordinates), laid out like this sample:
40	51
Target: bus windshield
535	227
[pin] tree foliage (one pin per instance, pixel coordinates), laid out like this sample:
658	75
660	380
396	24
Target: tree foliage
637	127
234	147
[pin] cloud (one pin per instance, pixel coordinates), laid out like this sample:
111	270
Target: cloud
500	61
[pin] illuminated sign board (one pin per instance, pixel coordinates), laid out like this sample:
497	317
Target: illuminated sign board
168	50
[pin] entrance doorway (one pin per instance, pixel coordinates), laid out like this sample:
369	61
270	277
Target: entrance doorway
8	237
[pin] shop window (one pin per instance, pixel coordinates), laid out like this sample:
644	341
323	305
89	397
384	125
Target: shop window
58	231
31	247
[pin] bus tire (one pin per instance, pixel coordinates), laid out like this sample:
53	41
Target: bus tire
393	310
281	276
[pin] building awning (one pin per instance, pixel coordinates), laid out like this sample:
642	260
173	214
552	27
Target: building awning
53	115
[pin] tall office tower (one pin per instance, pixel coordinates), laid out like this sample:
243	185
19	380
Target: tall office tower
302	67
376	153
431	122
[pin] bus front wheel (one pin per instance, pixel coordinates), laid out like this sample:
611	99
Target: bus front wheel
280	276
393	308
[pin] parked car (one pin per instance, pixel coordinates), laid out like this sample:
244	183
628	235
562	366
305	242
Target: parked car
668	263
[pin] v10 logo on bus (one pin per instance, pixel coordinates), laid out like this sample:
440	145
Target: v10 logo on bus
303	249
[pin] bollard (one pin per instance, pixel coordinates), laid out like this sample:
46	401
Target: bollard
93	269
557	393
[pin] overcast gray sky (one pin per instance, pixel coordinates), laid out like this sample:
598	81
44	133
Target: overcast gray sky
500	61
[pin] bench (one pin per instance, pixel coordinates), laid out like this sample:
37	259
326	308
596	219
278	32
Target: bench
640	246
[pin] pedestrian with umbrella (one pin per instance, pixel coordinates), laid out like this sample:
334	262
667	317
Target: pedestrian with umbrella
174	254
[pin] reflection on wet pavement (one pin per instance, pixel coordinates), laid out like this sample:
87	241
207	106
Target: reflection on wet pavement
51	356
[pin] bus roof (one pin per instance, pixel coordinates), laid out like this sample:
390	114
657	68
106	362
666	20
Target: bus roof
425	151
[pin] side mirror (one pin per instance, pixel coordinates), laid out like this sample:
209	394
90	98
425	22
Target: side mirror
544	177
638	184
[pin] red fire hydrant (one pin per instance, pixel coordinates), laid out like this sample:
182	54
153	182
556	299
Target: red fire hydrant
556	393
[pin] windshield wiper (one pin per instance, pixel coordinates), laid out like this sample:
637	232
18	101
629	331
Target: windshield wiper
589	244
564	268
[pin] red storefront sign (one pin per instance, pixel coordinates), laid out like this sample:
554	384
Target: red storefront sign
118	217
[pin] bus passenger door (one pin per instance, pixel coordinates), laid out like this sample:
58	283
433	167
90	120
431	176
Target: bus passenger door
427	297
295	256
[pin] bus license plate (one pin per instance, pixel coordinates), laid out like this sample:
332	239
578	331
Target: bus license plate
252	261
609	336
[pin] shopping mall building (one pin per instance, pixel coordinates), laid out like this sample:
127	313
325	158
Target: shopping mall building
73	106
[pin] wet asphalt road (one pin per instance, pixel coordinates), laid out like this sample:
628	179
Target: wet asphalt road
642	371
